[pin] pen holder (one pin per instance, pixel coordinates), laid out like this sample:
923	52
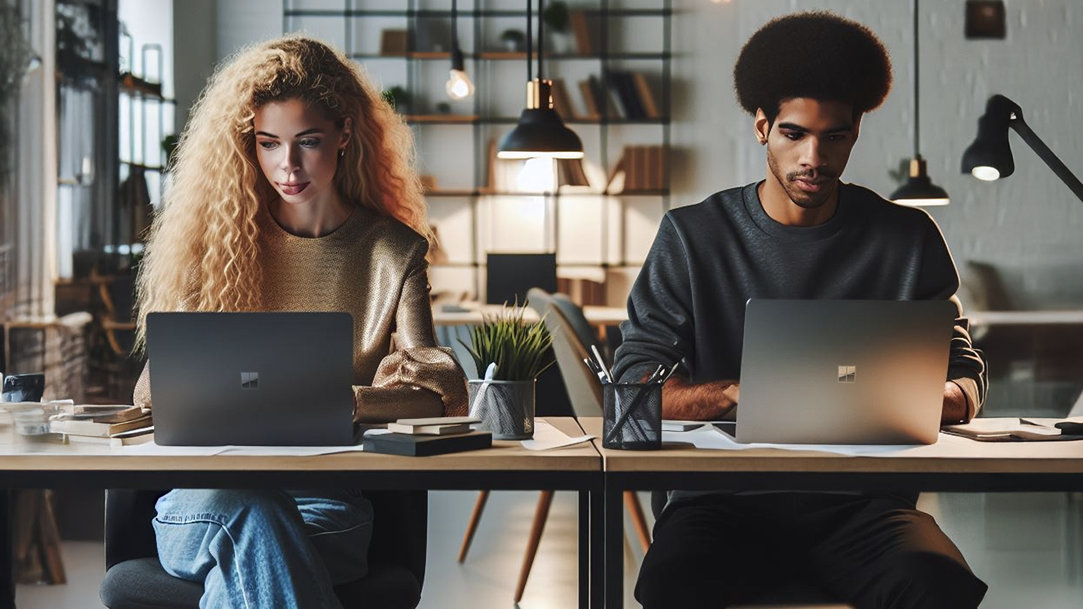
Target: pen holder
506	408
632	416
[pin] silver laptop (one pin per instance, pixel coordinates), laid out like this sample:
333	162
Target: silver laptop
844	371
263	379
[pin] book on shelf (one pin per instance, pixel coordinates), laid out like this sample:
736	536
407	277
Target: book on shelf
570	174
639	168
562	102
581	31
423	446
646	98
101	429
590	99
622	89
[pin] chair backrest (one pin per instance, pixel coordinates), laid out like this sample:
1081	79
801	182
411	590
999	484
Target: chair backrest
583	389
577	320
399	538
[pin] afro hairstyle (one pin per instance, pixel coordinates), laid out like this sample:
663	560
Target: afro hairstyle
818	55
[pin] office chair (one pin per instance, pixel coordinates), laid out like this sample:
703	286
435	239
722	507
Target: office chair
586	398
134	579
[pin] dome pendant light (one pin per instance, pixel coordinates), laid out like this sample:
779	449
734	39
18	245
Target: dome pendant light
919	190
540	131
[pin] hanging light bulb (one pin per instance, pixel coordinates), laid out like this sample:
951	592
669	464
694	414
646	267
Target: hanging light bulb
458	83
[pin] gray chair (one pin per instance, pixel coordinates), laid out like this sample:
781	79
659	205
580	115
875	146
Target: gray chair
134	579
585	395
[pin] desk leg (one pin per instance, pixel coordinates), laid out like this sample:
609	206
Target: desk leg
614	548
597	549
584	550
7	561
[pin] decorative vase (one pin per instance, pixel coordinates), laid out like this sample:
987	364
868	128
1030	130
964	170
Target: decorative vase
506	408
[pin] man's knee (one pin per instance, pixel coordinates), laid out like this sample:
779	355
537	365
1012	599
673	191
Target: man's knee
927	580
677	579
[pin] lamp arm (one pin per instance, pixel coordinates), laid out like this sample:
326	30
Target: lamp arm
1047	155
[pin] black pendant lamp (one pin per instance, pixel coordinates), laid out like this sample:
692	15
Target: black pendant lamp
919	190
540	132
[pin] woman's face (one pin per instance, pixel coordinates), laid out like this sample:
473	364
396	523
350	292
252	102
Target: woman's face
298	149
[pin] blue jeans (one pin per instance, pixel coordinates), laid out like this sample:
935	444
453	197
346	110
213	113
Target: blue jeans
248	547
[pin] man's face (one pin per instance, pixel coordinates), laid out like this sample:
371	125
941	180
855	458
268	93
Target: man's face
808	147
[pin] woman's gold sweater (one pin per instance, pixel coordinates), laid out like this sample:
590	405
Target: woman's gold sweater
374	268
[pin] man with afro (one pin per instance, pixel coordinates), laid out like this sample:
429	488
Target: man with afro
800	233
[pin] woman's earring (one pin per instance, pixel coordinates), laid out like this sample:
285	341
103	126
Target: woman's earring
341	152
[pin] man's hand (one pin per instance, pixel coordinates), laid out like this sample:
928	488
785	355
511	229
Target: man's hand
955	408
712	401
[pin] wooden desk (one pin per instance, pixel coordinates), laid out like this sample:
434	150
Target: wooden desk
507	466
955	466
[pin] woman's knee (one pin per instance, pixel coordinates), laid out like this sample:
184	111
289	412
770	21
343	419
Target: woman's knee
223	506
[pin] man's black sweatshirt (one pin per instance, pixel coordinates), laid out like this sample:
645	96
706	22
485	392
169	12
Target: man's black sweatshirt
708	259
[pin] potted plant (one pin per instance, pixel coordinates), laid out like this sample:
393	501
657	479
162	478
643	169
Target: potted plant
399	98
513	40
511	353
556	18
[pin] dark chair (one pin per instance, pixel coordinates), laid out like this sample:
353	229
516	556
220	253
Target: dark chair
134	578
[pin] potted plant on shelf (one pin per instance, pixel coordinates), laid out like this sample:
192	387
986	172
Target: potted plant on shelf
513	40
512	353
556	18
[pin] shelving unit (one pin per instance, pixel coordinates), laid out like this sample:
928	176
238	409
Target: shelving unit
473	212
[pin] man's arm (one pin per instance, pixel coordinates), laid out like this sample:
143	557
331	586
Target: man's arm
967	382
711	401
659	327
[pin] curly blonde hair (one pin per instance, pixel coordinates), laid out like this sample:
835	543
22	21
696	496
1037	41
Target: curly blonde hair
202	253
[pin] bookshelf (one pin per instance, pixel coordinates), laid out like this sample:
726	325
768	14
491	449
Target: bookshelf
621	48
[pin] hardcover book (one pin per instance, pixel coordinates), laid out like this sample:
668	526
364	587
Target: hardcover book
424	446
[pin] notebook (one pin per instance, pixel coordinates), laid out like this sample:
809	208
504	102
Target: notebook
254	379
844	371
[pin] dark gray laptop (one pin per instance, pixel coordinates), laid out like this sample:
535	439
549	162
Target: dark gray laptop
254	379
844	371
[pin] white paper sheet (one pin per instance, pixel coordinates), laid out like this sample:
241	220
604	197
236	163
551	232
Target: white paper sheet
547	437
710	437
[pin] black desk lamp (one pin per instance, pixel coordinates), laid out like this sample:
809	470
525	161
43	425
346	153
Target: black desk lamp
990	157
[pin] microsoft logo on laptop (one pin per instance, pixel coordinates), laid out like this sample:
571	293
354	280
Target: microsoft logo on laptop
249	380
847	374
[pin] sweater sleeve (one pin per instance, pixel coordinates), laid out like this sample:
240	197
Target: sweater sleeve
938	279
418	379
659	327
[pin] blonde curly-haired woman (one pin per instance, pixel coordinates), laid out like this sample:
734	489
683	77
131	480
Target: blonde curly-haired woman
295	189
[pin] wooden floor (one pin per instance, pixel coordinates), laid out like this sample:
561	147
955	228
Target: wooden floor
1027	547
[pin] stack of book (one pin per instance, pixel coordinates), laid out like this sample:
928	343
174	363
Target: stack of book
101	424
424	437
